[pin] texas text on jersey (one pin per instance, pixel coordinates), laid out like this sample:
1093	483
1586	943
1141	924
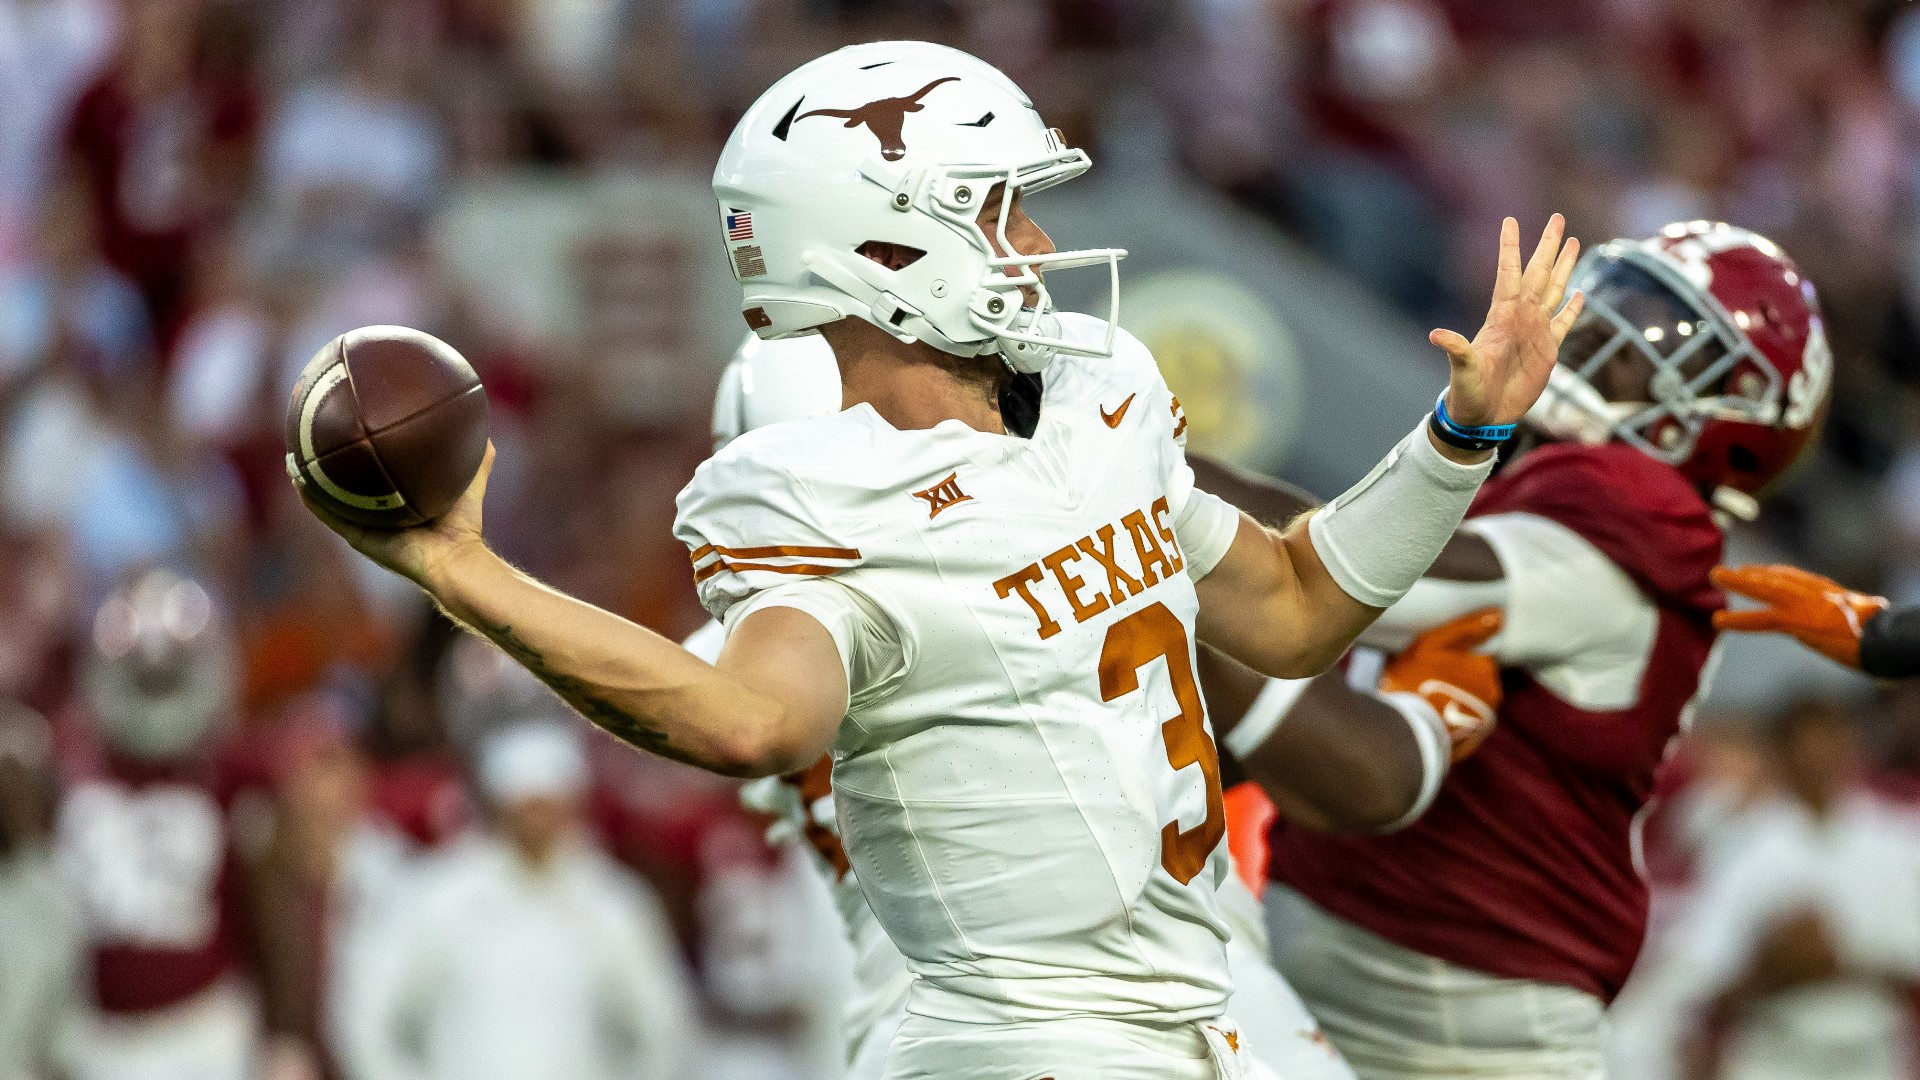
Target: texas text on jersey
1034	851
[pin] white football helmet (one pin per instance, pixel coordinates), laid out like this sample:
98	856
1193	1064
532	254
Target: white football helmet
770	381
161	675
898	142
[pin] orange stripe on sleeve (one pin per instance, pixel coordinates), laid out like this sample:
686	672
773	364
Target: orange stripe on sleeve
779	551
810	569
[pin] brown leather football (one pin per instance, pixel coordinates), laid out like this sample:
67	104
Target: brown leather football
387	426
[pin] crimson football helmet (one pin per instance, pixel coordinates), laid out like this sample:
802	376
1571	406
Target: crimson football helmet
1704	348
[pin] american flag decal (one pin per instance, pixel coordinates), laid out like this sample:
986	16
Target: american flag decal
739	225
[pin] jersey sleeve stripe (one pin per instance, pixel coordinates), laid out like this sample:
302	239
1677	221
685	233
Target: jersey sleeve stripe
783	550
775	551
738	560
811	569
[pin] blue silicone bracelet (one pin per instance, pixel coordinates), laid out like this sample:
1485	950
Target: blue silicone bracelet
1487	435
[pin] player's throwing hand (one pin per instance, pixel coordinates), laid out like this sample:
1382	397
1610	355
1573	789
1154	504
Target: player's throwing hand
1500	373
415	552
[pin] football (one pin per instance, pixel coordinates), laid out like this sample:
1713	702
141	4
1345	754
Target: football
387	427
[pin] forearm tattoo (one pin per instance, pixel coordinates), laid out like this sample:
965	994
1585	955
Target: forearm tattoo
579	693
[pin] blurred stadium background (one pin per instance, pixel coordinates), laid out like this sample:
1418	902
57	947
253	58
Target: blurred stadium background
196	194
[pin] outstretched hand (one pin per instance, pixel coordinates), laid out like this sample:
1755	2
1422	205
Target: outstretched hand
414	552
1500	373
1826	616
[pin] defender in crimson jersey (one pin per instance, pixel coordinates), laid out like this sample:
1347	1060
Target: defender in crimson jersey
1486	938
148	837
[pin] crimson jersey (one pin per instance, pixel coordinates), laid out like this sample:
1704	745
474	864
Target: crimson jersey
1524	867
150	852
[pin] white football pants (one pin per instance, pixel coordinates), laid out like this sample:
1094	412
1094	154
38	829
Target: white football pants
1402	1015
1083	1048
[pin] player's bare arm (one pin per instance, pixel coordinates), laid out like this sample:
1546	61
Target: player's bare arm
770	705
1330	758
1274	604
1362	771
1278	504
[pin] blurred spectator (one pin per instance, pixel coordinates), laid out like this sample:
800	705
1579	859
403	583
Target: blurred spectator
68	301
333	865
414	779
520	953
163	142
50	50
1796	956
36	639
39	982
82	453
160	841
223	385
349	159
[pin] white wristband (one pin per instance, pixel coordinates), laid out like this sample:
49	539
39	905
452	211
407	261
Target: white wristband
1384	532
1436	751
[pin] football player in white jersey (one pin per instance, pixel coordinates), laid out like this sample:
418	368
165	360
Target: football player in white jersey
989	616
768	382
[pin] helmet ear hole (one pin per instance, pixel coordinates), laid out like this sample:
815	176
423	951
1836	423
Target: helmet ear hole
890	255
1743	459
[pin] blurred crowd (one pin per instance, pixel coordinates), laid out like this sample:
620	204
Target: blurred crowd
384	855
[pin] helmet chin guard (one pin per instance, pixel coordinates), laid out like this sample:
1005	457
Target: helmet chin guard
924	135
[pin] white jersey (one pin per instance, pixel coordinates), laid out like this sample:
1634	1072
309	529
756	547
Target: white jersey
879	976
1025	779
1282	1036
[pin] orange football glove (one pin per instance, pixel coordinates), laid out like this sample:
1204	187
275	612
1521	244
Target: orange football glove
815	782
1463	686
1823	614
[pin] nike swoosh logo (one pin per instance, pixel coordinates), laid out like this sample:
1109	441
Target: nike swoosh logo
1113	418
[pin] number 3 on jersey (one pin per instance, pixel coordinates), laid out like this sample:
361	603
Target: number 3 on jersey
1150	634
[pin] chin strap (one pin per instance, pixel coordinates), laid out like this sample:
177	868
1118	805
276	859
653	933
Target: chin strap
1029	358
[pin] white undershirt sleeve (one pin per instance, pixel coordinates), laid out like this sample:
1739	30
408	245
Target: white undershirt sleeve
1573	617
1428	604
1436	751
1205	527
1275	700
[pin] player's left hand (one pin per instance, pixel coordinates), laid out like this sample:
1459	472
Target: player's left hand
1826	616
1462	685
1500	373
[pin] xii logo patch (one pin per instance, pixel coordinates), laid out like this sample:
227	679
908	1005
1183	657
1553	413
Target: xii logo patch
942	495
